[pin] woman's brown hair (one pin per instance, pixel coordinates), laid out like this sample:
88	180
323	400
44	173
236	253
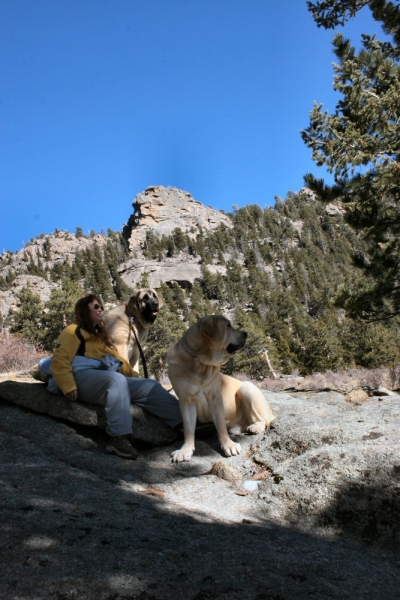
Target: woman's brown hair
82	318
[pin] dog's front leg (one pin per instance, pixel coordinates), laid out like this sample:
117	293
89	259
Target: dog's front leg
229	448
189	416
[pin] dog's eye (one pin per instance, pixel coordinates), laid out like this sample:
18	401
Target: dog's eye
146	297
229	326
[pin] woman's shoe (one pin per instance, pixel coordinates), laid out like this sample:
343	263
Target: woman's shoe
122	446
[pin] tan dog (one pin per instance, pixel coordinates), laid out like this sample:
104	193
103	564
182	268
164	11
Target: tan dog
206	394
139	312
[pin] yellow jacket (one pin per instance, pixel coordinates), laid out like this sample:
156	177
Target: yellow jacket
68	344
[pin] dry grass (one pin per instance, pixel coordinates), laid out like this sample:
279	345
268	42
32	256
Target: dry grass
17	355
343	381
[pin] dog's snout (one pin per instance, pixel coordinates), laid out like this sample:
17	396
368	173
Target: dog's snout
242	337
238	343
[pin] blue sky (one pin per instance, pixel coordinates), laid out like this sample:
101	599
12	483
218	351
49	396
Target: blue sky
101	98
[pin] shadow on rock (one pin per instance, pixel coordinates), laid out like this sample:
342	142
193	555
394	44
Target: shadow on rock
370	512
77	524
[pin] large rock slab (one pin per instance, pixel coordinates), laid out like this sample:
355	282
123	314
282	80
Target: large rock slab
163	531
334	465
34	396
167	271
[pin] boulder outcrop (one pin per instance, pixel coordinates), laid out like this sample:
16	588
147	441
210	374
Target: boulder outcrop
160	210
48	250
183	272
157	210
34	396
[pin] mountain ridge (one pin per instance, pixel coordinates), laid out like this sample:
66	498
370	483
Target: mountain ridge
277	272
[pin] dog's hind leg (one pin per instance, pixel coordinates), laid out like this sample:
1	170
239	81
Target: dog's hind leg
257	412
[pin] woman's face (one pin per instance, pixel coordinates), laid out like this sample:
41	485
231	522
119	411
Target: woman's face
96	312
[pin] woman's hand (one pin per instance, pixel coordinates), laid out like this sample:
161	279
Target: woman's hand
72	396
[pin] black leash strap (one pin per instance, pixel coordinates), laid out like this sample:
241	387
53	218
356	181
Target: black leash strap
132	320
82	346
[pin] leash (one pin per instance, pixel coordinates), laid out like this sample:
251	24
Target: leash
144	365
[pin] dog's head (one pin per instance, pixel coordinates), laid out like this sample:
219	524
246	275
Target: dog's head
144	305
220	338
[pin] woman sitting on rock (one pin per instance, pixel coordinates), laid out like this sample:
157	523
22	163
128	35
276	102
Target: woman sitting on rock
86	365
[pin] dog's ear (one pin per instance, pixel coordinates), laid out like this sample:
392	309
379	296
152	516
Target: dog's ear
208	326
133	302
160	302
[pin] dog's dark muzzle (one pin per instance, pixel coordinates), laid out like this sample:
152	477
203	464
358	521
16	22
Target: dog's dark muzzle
232	348
151	310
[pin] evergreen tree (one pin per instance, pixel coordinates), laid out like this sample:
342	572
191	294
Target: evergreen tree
212	284
112	258
79	233
47	249
321	349
166	331
250	359
382	348
369	345
360	145
199	305
144	280
59	311
28	320
97	278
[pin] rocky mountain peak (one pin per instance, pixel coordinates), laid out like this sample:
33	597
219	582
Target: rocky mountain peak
160	210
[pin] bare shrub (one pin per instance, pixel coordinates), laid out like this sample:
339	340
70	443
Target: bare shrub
240	376
394	377
18	355
317	381
275	385
343	381
374	378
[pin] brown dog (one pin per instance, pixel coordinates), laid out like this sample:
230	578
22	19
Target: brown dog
206	394
139	312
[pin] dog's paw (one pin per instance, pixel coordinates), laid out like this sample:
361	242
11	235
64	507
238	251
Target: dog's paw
182	455
231	449
258	427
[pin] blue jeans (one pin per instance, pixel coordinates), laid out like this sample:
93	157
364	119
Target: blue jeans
116	393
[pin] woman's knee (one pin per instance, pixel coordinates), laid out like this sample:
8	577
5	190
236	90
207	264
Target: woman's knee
103	387
118	385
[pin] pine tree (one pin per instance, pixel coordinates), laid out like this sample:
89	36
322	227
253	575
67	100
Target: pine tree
79	233
28	320
369	345
112	258
163	335
47	249
59	310
360	145
321	349
250	359
97	278
199	305
212	284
